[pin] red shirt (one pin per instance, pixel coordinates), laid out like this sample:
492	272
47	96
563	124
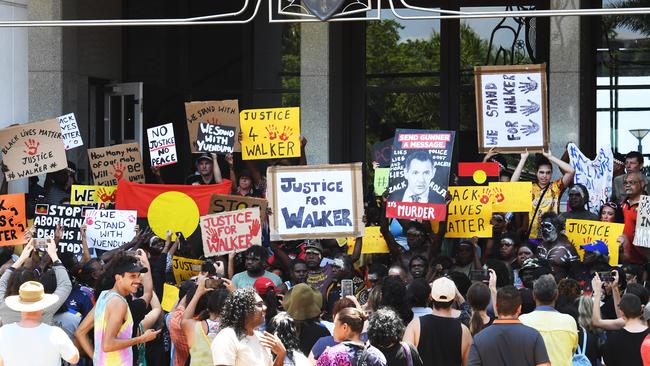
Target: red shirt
178	336
645	351
633	254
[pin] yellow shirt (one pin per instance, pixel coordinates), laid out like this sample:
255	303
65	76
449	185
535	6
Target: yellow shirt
559	331
550	203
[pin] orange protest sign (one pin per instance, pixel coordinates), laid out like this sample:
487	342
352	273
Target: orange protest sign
12	219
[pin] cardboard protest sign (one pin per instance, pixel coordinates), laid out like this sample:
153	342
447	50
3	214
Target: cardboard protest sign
12	219
511	108
596	175
232	231
642	231
223	113
222	203
32	149
511	196
111	164
270	133
70	217
109	229
185	268
381	152
373	242
215	139
70	131
582	232
419	174
381	180
315	201
162	145
470	212
170	296
87	195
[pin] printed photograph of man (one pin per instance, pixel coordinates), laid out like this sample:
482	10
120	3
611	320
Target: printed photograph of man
418	173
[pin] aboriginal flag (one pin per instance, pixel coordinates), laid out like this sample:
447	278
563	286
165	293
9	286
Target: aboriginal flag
477	174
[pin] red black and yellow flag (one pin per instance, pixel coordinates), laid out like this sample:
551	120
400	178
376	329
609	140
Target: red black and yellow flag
477	174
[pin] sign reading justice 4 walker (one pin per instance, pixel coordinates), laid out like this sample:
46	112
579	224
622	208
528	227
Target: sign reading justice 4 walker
270	133
315	201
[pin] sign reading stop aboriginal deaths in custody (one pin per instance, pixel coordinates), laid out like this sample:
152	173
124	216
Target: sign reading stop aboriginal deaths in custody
111	164
70	131
162	145
583	232
470	211
419	174
223	113
511	108
12	219
315	201
32	149
595	174
215	138
109	229
69	217
223	203
270	133
233	231
642	232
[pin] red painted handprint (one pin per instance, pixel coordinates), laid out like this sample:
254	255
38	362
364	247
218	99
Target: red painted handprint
32	147
104	196
486	197
118	171
286	133
273	132
498	195
212	235
254	227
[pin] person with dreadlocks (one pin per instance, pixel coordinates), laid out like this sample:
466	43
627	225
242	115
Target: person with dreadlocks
239	343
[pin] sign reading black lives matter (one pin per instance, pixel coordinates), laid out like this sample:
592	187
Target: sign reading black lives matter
315	201
215	138
69	217
419	174
511	108
642	230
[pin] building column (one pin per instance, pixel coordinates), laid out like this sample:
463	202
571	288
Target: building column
314	90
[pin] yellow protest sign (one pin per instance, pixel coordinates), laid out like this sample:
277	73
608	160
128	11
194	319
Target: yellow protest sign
373	242
381	180
170	296
581	232
511	196
86	195
185	268
270	133
469	212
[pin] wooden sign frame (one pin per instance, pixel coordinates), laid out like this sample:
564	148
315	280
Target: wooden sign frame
479	71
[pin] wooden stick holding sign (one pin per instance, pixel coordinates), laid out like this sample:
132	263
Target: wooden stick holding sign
233	231
270	133
511	108
223	113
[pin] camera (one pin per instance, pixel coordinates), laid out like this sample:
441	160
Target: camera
479	275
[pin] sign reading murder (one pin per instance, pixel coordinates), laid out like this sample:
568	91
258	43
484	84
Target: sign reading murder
12	219
381	153
583	232
223	203
470	211
185	268
162	145
315	201
87	195
32	149
511	108
511	196
223	113
232	231
109	229
373	242
419	174
270	133
111	164
70	217
596	175
215	139
70	131
642	232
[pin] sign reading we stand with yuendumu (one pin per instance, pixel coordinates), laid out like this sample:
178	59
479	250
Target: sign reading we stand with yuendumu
216	139
109	229
215	112
232	231
162	145
511	108
270	133
32	149
111	164
315	201
419	174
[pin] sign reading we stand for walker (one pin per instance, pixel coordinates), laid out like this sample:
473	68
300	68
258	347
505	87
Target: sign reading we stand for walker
232	231
315	201
419	174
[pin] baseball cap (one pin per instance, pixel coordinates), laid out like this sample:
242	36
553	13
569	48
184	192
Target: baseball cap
130	267
204	156
597	246
443	290
263	284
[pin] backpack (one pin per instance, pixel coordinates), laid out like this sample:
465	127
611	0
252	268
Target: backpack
579	358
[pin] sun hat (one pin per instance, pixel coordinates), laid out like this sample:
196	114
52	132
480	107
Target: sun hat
31	297
303	302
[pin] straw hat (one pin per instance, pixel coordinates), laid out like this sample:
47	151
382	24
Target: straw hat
31	297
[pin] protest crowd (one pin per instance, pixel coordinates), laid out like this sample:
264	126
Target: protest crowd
502	261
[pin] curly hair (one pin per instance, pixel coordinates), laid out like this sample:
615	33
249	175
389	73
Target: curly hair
238	306
214	303
385	328
283	326
393	295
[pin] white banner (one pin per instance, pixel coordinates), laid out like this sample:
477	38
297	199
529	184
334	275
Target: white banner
109	229
162	145
642	232
595	174
70	131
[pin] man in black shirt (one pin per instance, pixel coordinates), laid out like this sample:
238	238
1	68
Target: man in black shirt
208	171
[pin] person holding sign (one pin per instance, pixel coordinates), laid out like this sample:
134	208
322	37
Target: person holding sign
546	193
208	171
634	184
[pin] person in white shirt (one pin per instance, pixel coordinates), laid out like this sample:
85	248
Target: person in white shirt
19	341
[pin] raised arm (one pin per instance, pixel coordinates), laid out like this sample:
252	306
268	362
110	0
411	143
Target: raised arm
565	168
85	256
281	257
233	176
63	284
147	280
216	169
596	320
152	316
394	248
520	167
